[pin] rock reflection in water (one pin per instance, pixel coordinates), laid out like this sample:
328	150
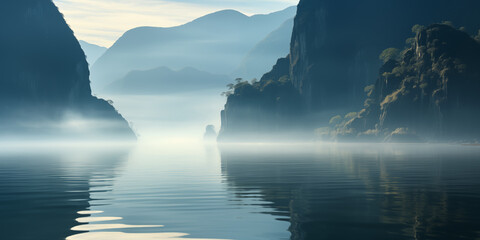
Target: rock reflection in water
344	191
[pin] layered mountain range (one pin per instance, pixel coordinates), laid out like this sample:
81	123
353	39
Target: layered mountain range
92	51
216	43
164	80
260	59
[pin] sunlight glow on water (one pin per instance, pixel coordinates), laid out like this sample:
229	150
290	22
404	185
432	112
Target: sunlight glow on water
130	236
93	235
96	219
95	227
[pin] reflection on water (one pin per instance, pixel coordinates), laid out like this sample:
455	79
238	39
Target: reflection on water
130	236
92	230
165	192
41	190
258	191
365	191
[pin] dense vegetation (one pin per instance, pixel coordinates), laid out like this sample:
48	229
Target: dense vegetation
429	90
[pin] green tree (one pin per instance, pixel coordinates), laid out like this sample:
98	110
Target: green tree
369	89
389	54
351	115
448	23
231	88
410	41
335	120
417	28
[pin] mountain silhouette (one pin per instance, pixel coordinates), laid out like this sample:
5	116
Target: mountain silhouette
265	53
164	80
92	51
215	43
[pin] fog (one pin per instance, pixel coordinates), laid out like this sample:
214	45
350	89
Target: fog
172	118
153	139
168	183
68	129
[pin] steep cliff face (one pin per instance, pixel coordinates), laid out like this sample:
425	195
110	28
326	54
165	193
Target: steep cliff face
41	60
43	71
432	90
335	44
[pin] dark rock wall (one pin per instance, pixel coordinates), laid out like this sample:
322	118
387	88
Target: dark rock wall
43	70
335	51
335	44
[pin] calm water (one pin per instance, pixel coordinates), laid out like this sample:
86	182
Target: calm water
171	184
298	191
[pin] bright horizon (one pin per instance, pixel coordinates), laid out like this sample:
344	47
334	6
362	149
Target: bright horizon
103	22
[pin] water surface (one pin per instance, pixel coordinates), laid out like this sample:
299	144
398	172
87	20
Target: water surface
256	191
170	185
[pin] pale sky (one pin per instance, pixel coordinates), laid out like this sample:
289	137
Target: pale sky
102	22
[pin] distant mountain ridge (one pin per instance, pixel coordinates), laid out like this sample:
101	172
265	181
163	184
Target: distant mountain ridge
92	51
261	58
164	80
215	43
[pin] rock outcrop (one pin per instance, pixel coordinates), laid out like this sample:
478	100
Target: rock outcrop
334	53
335	44
432	89
44	77
259	109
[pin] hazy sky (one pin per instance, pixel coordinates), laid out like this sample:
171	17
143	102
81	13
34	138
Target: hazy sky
102	21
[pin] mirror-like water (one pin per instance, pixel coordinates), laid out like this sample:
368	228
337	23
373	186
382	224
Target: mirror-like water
258	191
172	186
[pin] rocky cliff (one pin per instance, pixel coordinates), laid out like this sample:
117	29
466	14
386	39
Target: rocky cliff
430	90
335	47
44	76
258	109
335	44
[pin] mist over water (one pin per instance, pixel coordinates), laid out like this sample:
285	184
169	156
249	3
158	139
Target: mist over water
171	117
171	185
145	164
